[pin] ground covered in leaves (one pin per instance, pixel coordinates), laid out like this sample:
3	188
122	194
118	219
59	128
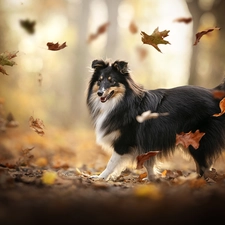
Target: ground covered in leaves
47	180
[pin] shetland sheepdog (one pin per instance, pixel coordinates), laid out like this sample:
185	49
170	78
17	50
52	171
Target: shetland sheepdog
114	101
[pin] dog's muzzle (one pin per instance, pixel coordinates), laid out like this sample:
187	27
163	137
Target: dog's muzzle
104	98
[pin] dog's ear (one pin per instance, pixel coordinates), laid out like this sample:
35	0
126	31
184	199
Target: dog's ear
121	66
99	64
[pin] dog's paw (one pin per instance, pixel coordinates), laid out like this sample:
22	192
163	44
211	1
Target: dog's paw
97	177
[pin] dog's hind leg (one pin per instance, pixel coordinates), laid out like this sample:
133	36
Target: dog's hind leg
115	166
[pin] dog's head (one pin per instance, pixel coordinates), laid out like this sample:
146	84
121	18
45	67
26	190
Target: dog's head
108	80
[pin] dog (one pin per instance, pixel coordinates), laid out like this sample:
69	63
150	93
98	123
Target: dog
114	101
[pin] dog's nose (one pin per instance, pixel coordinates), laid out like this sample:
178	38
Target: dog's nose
100	93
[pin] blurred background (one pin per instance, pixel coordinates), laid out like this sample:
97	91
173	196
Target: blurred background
51	85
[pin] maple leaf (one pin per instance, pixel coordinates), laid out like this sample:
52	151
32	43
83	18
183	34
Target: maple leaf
149	115
101	29
5	58
156	38
222	108
200	34
189	138
37	125
56	46
28	25
2	70
144	157
183	20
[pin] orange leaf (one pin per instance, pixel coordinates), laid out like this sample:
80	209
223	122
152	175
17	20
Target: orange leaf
222	108
218	94
183	20
56	46
189	138
156	38
144	157
200	34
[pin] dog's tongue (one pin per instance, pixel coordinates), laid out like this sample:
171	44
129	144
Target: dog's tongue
103	99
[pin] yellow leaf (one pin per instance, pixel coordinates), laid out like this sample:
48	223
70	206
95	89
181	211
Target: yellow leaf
49	177
148	191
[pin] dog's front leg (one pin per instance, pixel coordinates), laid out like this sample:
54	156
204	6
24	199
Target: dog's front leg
115	166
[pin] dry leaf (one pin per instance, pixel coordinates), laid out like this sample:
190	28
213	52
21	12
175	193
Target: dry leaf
28	25
56	46
49	177
149	115
101	29
189	138
218	94
37	125
156	38
200	34
183	20
2	70
144	157
133	27
222	108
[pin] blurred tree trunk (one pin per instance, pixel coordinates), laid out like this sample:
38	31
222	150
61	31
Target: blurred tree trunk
215	51
112	35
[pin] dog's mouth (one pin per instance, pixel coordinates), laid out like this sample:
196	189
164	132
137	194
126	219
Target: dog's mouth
107	97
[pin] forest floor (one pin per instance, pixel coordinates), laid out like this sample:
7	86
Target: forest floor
46	180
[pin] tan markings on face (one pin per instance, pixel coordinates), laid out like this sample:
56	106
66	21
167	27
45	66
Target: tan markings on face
109	78
101	78
95	87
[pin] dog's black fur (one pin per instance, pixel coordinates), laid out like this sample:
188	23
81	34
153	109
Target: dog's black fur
114	101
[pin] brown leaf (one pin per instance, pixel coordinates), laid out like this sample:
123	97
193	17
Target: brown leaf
183	20
189	138
133	27
101	29
200	34
144	157
37	125
56	46
2	70
156	38
222	108
28	25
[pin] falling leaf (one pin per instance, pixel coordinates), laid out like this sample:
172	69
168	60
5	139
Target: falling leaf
200	34
49	177
56	46
142	53
155	38
37	125
144	157
222	108
2	70
218	94
28	25
183	20
149	115
5	58
101	29
133	27
189	138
